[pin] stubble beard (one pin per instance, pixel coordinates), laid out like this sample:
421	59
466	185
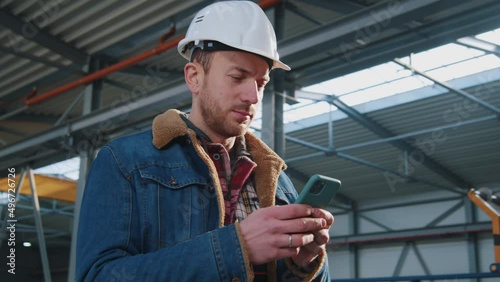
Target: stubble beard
217	118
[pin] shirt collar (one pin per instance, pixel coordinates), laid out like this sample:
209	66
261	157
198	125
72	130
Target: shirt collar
239	149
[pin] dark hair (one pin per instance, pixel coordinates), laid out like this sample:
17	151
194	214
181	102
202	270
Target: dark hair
202	57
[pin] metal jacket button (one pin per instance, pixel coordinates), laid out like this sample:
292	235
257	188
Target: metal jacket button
173	181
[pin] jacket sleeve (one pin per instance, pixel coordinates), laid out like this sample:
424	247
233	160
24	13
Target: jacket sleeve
108	243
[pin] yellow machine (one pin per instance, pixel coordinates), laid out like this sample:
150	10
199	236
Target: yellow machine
487	202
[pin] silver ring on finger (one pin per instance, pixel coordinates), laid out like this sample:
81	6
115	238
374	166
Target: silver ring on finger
289	240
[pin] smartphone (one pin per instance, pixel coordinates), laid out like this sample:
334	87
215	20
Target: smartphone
319	191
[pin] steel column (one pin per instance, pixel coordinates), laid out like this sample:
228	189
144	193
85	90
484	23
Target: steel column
85	159
472	239
39	228
273	132
279	85
331	143
92	96
267	132
91	103
353	248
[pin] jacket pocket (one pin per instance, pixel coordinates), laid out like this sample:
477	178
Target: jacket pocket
176	204
172	176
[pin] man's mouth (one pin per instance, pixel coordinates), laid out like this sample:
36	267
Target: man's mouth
244	114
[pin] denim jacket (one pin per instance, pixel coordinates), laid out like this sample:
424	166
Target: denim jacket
153	210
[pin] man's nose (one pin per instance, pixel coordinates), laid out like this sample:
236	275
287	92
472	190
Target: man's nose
251	93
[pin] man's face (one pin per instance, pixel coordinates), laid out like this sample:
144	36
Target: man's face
231	92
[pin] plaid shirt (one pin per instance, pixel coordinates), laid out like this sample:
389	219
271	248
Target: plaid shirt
234	170
235	175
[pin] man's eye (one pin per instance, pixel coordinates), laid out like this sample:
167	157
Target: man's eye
237	78
262	85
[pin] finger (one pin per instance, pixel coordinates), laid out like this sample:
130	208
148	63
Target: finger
300	225
298	240
313	248
280	253
321	213
292	211
321	236
304	258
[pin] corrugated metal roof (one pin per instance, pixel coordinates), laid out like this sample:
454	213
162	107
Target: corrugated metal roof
111	31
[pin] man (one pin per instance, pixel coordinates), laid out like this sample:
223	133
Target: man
198	198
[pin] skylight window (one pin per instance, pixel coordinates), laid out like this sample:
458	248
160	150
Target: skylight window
66	169
490	36
443	63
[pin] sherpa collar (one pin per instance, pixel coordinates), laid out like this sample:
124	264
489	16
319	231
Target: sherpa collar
169	125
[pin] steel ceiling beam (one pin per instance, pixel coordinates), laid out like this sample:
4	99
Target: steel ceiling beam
31	32
31	117
402	145
338	6
174	96
295	9
385	133
416	133
385	49
476	43
406	178
404	235
13	131
451	88
23	91
329	152
36	59
347	28
179	19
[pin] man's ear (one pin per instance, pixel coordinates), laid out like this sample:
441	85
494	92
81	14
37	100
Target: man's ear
193	75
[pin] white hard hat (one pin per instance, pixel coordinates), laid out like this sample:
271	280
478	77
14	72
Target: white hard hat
241	25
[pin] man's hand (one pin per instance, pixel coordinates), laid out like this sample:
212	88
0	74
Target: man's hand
267	232
310	252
